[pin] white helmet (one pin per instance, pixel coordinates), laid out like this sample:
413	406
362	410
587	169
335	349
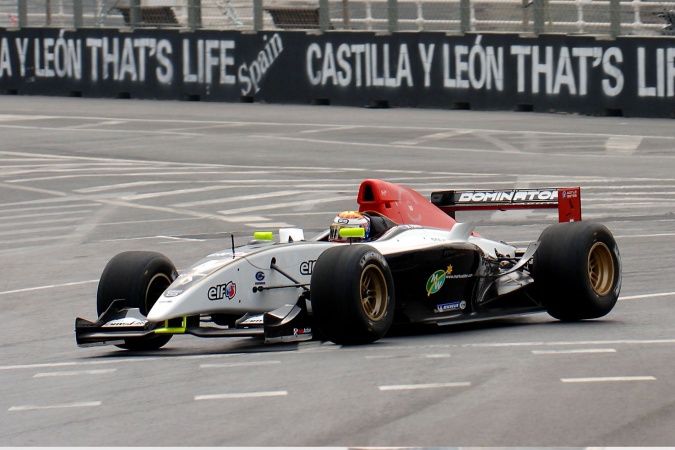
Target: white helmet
349	219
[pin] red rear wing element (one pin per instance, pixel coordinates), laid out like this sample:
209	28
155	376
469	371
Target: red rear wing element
566	200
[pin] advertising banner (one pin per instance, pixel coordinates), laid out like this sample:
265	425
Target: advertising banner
628	76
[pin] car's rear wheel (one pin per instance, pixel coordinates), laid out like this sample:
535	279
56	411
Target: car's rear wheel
352	294
139	278
577	270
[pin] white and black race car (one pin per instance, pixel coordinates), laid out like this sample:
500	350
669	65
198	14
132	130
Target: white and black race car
419	265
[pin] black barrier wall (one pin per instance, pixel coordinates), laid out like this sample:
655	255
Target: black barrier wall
550	73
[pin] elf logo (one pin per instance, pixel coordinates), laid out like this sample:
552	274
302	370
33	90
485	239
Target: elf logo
228	290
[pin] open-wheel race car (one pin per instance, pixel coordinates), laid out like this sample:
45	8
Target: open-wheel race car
412	264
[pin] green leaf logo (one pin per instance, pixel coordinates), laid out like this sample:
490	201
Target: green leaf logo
435	282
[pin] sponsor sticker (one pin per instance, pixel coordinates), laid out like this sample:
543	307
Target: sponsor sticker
307	267
454	306
173	292
227	290
125	322
437	280
509	196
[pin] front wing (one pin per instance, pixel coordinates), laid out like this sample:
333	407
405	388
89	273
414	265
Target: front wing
118	324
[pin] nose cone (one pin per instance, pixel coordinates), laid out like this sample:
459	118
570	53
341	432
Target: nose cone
165	308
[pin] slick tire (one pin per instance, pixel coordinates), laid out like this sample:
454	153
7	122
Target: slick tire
577	270
139	278
352	294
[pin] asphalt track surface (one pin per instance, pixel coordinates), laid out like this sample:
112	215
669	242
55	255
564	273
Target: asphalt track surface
83	179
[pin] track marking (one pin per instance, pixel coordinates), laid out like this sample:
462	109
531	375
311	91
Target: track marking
437	355
635	297
73	373
116	361
570	343
51	286
133	197
405	387
242	364
241	395
57	406
563	352
310	202
606	379
216	201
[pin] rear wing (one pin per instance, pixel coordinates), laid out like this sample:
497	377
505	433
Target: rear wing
566	200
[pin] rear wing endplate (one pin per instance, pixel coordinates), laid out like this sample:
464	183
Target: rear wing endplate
566	200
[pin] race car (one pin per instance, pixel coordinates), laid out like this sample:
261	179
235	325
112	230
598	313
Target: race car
414	264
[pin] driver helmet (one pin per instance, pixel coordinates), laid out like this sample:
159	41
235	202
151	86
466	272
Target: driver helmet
349	219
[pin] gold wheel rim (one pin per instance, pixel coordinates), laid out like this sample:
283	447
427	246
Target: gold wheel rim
601	268
374	295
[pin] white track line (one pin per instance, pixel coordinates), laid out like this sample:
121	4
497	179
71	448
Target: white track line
606	379
635	297
51	286
405	387
577	351
73	373
242	364
241	395
58	406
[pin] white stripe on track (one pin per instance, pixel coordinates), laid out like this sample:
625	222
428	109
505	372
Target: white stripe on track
405	387
576	351
57	406
241	395
51	286
606	379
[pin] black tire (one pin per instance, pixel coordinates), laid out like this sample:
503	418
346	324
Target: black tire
139	278
577	270
352	294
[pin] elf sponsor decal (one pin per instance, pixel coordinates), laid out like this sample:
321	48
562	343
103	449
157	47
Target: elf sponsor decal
306	267
227	290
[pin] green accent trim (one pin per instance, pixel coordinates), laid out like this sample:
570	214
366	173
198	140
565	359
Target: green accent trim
356	232
172	330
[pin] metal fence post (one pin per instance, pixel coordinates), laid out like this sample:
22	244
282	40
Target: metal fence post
393	15
464	16
77	13
134	13
23	13
538	12
257	15
194	14
614	18
324	18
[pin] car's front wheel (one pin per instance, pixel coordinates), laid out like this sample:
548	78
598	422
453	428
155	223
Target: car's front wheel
352	294
139	278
